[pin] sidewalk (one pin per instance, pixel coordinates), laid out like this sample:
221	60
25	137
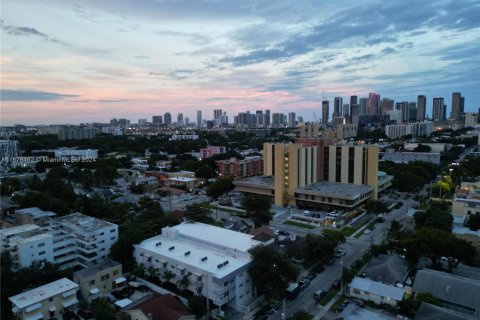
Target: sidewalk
327	307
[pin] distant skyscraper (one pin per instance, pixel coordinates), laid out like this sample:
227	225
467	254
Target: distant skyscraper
353	100
337	107
437	112
224	119
412	112
372	103
167	118
180	119
346	110
292	119
457	106
259	118
362	109
325	112
266	119
277	120
199	118
157	120
142	122
387	105
421	107
217	113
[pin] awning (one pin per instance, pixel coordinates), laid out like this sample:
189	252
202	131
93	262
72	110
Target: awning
123	303
33	307
69	293
52	309
36	316
69	303
94	291
120	280
135	284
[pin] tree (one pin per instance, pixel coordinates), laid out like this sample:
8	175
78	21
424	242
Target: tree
301	315
436	216
10	185
474	222
197	306
195	212
258	209
271	272
376	207
221	186
422	148
436	243
102	309
409	306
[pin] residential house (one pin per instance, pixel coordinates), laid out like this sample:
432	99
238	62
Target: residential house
376	292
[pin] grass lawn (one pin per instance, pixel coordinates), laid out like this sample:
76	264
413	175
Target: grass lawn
232	211
370	225
328	297
298	224
337	304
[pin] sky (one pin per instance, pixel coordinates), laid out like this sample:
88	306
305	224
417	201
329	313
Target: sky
66	61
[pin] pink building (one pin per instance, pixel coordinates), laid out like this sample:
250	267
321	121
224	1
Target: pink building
210	151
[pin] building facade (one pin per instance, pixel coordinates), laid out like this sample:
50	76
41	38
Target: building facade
72	240
190	256
250	166
46	302
292	165
210	151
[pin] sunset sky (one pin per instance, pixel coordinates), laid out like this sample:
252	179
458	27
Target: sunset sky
79	61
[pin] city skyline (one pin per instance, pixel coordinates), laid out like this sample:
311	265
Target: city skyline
93	61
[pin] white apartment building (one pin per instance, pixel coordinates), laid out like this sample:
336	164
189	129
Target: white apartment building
207	260
415	129
47	301
76	153
72	240
176	137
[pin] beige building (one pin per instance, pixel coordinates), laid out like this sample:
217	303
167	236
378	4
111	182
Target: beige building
345	131
292	165
354	164
99	279
466	201
45	302
471	119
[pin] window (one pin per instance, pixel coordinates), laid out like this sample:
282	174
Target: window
241	296
115	272
102	233
112	230
91	282
112	238
41	245
41	253
50	299
103	241
105	277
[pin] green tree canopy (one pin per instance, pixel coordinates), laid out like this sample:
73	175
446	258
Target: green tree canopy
436	216
195	212
102	309
221	186
376	207
258	209
474	222
271	272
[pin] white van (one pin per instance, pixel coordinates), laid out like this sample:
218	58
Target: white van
319	294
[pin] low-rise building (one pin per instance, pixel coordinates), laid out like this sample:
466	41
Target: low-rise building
33	215
453	292
45	302
210	151
406	157
466	201
176	137
376	292
76	154
163	307
191	256
99	279
72	240
250	166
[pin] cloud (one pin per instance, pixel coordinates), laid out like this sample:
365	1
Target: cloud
31	95
141	57
26	31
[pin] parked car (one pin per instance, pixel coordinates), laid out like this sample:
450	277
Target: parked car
380	219
319	294
85	313
311	276
336	284
304	283
340	253
359	303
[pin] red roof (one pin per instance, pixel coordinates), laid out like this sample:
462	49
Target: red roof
164	307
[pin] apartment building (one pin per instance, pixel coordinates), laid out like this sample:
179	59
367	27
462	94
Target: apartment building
191	256
356	165
466	201
210	151
292	165
416	129
76	153
345	131
250	166
33	216
72	240
99	279
47	301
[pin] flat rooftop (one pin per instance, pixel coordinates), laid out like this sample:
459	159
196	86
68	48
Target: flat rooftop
91	271
36	295
36	212
218	236
335	189
81	223
257	181
18	229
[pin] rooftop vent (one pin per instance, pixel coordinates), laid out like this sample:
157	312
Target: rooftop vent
158	244
204	259
171	248
187	253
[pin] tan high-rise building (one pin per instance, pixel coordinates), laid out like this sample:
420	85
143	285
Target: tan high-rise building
292	165
320	143
352	164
